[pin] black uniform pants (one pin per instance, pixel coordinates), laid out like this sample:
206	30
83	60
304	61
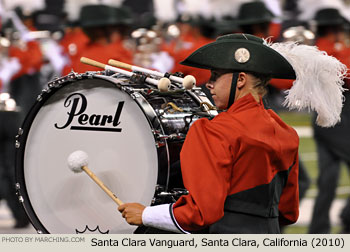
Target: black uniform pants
8	129
327	182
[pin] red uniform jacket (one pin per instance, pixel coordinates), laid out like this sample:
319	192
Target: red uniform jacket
30	57
239	150
338	50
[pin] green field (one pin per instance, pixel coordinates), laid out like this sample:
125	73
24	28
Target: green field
307	150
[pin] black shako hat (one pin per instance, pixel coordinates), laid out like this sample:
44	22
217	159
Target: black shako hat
96	15
329	16
241	52
254	13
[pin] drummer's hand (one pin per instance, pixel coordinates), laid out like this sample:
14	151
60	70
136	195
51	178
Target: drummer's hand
132	212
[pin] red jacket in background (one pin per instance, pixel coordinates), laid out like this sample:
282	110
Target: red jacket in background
30	58
100	53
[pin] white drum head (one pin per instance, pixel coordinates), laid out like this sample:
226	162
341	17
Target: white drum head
125	161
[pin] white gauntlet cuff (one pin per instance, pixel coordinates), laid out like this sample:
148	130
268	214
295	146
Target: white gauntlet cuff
161	217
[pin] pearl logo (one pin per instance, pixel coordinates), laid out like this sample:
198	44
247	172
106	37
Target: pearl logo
242	55
94	122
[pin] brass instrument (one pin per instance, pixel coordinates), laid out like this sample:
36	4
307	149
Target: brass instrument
144	43
299	34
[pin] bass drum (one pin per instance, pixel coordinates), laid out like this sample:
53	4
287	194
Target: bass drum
132	134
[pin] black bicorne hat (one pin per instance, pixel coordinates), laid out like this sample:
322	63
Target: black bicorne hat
241	52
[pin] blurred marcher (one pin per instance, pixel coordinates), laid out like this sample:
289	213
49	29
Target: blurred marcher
10	119
25	84
49	26
106	27
333	144
9	122
190	38
74	39
255	18
143	13
73	43
147	50
8	66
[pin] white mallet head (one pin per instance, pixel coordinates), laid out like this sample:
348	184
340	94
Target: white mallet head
77	160
163	84
189	82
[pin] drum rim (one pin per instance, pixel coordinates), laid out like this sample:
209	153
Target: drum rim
19	162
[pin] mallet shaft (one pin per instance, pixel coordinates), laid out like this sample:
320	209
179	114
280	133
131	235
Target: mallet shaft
114	69
143	70
100	184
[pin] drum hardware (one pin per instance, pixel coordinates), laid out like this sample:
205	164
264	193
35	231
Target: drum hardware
39	98
135	90
78	161
171	196
188	82
161	139
46	90
58	81
171	105
20	197
188	121
135	95
207	106
174	136
138	78
177	92
17	143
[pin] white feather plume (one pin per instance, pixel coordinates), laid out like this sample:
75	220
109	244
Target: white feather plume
318	84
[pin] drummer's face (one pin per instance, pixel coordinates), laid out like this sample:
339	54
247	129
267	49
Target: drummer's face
219	86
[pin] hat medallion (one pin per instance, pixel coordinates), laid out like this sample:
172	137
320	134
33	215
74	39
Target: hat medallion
242	55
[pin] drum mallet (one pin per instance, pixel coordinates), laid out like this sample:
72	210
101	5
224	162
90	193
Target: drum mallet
163	84
78	161
188	82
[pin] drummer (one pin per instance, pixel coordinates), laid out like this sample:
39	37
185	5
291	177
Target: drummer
241	168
